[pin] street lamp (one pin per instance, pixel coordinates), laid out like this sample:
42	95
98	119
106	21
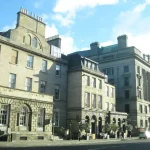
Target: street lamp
53	130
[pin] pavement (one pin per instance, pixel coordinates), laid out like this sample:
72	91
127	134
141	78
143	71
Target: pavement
43	143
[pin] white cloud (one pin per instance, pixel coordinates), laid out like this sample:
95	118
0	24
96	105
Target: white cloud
50	30
63	6
67	42
65	10
7	27
106	43
136	26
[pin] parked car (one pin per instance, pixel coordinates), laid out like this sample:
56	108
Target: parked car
144	135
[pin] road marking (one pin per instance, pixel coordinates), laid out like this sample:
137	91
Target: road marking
107	147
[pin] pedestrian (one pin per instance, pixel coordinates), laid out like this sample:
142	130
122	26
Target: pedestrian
79	135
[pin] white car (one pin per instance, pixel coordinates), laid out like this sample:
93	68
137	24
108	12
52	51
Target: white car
144	135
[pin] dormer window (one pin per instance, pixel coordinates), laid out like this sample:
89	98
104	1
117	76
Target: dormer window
34	42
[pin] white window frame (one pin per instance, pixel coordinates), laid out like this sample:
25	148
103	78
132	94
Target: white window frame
3	114
112	92
30	61
43	86
87	78
44	65
93	100
28	84
12	80
23	117
107	90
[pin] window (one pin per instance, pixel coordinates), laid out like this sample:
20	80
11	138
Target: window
22	117
3	114
149	107
55	51
28	85
43	86
127	94
145	109
127	108
87	99
94	82
57	70
14	57
107	91
100	84
126	69
141	123
107	106
57	92
108	71
140	108
40	117
12	80
87	78
90	65
94	66
126	81
44	65
138	69
56	119
34	42
85	63
112	107
30	61
93	101
112	92
100	101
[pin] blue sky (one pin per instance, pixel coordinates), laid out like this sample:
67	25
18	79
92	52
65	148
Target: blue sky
81	22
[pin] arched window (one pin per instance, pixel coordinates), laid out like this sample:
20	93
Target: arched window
34	42
23	116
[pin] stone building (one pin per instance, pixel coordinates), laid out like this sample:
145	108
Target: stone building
129	70
33	80
90	98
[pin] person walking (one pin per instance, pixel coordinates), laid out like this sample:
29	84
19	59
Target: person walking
79	135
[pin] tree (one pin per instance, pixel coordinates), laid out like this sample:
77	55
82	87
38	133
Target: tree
106	128
129	127
114	127
84	126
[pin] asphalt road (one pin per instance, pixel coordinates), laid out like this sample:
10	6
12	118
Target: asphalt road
122	145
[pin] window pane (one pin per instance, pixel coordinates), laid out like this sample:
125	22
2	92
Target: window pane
100	101
56	118
126	69
22	117
28	85
44	65
3	114
30	61
57	70
93	101
12	80
43	86
34	42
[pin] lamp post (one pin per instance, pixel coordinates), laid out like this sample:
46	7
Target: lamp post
53	130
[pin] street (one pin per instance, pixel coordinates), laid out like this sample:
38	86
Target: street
121	145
